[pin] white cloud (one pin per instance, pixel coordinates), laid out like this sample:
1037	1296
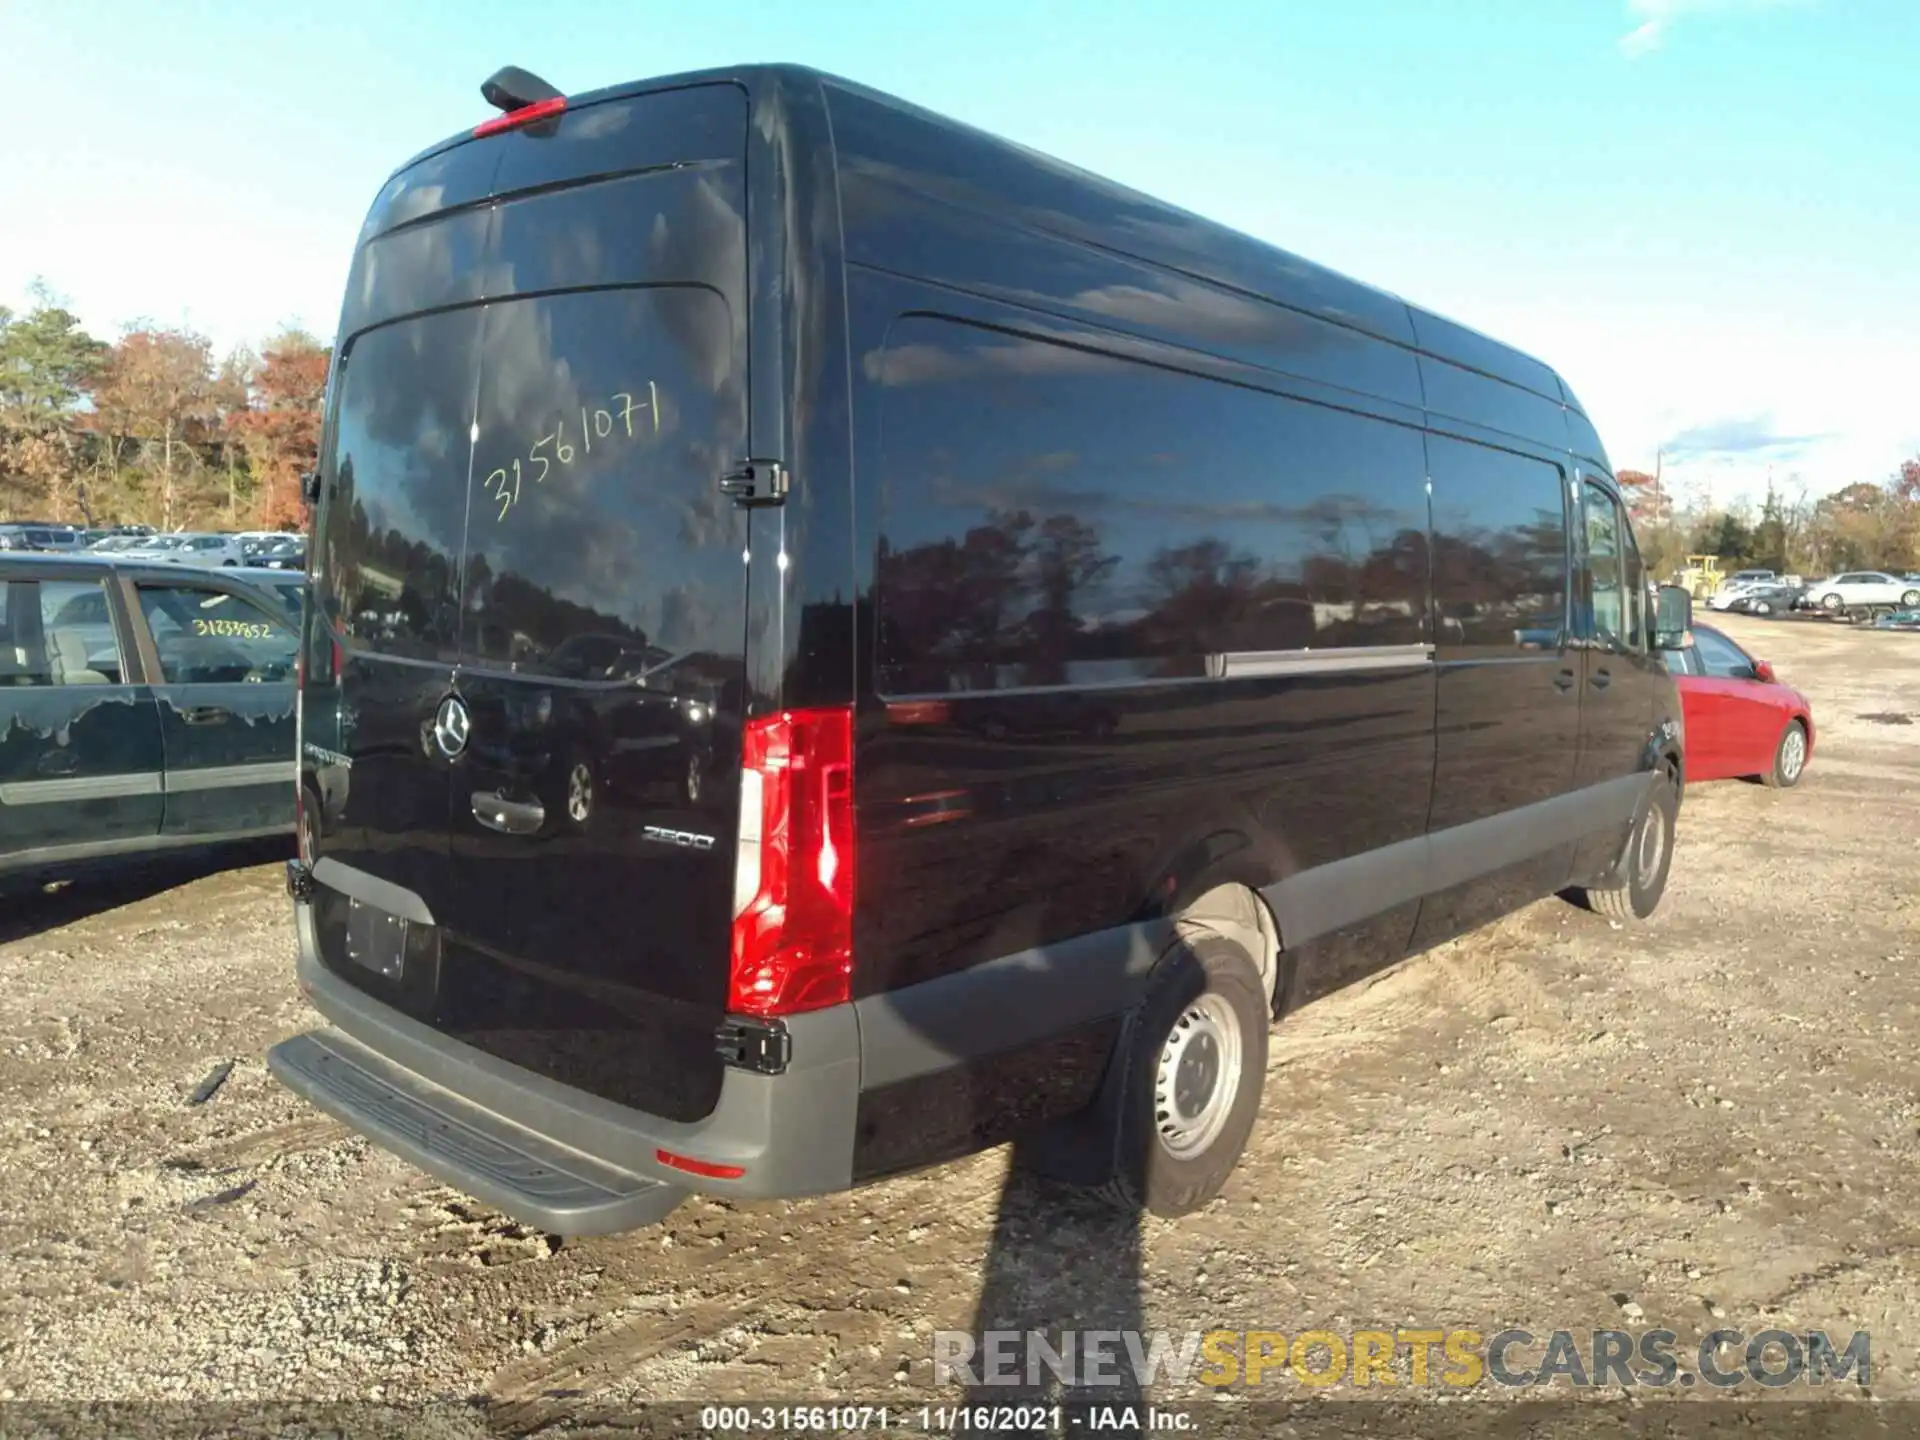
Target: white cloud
1730	398
1657	17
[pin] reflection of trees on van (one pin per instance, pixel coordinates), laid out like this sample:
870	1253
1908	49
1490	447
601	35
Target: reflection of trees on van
948	603
1503	587
393	591
1201	594
1067	559
1025	601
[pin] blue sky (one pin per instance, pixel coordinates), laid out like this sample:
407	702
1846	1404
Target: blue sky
1700	211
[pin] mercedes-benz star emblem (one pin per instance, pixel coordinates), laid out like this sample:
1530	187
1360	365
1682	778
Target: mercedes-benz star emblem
450	727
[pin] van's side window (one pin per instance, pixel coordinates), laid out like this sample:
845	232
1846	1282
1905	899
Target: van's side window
1057	516
1639	619
1499	548
1604	568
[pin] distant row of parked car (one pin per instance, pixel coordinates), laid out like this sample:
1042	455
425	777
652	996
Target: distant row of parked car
261	549
1762	592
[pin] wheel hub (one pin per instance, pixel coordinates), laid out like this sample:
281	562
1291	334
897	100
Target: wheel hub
1793	753
580	793
1653	845
1198	1076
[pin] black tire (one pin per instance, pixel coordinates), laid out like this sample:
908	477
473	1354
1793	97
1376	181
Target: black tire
1632	893
1789	764
1910	600
1211	975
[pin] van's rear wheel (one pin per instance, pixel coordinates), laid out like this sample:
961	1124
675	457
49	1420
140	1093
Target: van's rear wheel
1195	1063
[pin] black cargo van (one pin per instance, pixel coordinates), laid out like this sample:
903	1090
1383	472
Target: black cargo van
837	640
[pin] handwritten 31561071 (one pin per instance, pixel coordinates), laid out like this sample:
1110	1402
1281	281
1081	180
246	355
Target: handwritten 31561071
606	424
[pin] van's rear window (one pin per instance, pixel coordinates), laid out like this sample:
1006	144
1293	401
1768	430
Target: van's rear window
397	516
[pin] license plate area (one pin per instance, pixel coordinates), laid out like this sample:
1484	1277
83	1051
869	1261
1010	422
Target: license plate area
376	941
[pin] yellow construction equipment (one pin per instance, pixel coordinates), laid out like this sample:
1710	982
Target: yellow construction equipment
1702	575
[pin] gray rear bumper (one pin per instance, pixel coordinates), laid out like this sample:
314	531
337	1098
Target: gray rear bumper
555	1157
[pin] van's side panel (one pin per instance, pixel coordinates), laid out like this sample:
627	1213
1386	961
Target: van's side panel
889	151
1505	819
1074	529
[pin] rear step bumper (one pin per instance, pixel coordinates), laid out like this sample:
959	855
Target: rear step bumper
508	1166
550	1155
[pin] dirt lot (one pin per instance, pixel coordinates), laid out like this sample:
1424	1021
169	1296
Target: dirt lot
1550	1124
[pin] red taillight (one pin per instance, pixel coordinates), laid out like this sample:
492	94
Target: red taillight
699	1167
525	115
793	889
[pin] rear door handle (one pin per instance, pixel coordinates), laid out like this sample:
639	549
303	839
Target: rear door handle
206	715
1563	682
509	817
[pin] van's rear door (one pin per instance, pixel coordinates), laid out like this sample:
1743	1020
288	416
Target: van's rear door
588	792
602	661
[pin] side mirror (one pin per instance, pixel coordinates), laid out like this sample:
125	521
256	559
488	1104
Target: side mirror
1763	672
1673	617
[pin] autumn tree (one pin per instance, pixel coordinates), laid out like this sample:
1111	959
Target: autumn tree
1651	508
1647	500
279	427
1852	527
159	387
1906	483
47	363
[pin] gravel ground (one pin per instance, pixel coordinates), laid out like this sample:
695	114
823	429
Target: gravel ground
1549	1124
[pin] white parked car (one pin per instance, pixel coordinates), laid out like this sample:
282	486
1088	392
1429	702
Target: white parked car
208	550
1864	587
1732	590
211	550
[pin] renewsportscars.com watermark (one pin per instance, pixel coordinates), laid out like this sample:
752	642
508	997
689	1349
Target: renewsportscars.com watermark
1456	1359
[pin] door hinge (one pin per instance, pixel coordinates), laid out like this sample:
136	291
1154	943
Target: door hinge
755	483
762	1046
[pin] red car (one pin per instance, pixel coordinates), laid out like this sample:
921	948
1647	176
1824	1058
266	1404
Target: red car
1740	719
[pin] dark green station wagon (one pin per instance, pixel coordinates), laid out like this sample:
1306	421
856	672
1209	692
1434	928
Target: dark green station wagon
142	708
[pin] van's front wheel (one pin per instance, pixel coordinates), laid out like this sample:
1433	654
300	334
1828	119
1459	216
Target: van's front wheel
1633	891
1196	1061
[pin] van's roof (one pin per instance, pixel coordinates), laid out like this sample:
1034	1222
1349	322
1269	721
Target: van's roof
1239	259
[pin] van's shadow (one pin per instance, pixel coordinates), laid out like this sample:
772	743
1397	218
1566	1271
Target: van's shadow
1063	1261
